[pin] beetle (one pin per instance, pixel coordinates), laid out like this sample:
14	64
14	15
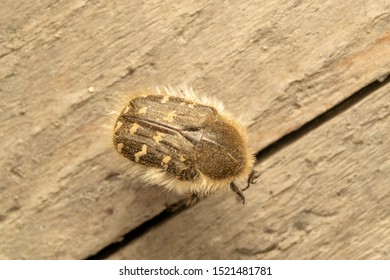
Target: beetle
185	142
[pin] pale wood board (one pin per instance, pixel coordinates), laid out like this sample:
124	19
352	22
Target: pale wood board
325	196
278	63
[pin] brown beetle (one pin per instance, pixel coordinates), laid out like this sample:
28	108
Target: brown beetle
186	143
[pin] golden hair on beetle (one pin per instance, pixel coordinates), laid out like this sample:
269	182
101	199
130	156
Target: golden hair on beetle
187	143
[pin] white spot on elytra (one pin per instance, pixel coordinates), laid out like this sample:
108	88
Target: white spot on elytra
119	147
134	128
158	137
117	126
143	110
182	158
166	159
169	117
141	153
126	109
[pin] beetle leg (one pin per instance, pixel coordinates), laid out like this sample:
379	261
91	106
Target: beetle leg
238	192
252	179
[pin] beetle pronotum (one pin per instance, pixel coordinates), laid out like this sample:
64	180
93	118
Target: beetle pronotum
184	142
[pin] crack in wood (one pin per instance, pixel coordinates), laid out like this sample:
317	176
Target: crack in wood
322	118
135	233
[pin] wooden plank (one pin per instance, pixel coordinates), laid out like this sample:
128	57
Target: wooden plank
63	61
326	196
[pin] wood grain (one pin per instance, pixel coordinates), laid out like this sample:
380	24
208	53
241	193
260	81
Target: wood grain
279	63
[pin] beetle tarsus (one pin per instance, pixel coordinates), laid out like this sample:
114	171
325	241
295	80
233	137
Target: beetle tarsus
252	179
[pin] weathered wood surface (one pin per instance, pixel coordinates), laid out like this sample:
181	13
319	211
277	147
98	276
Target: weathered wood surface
326	196
279	63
